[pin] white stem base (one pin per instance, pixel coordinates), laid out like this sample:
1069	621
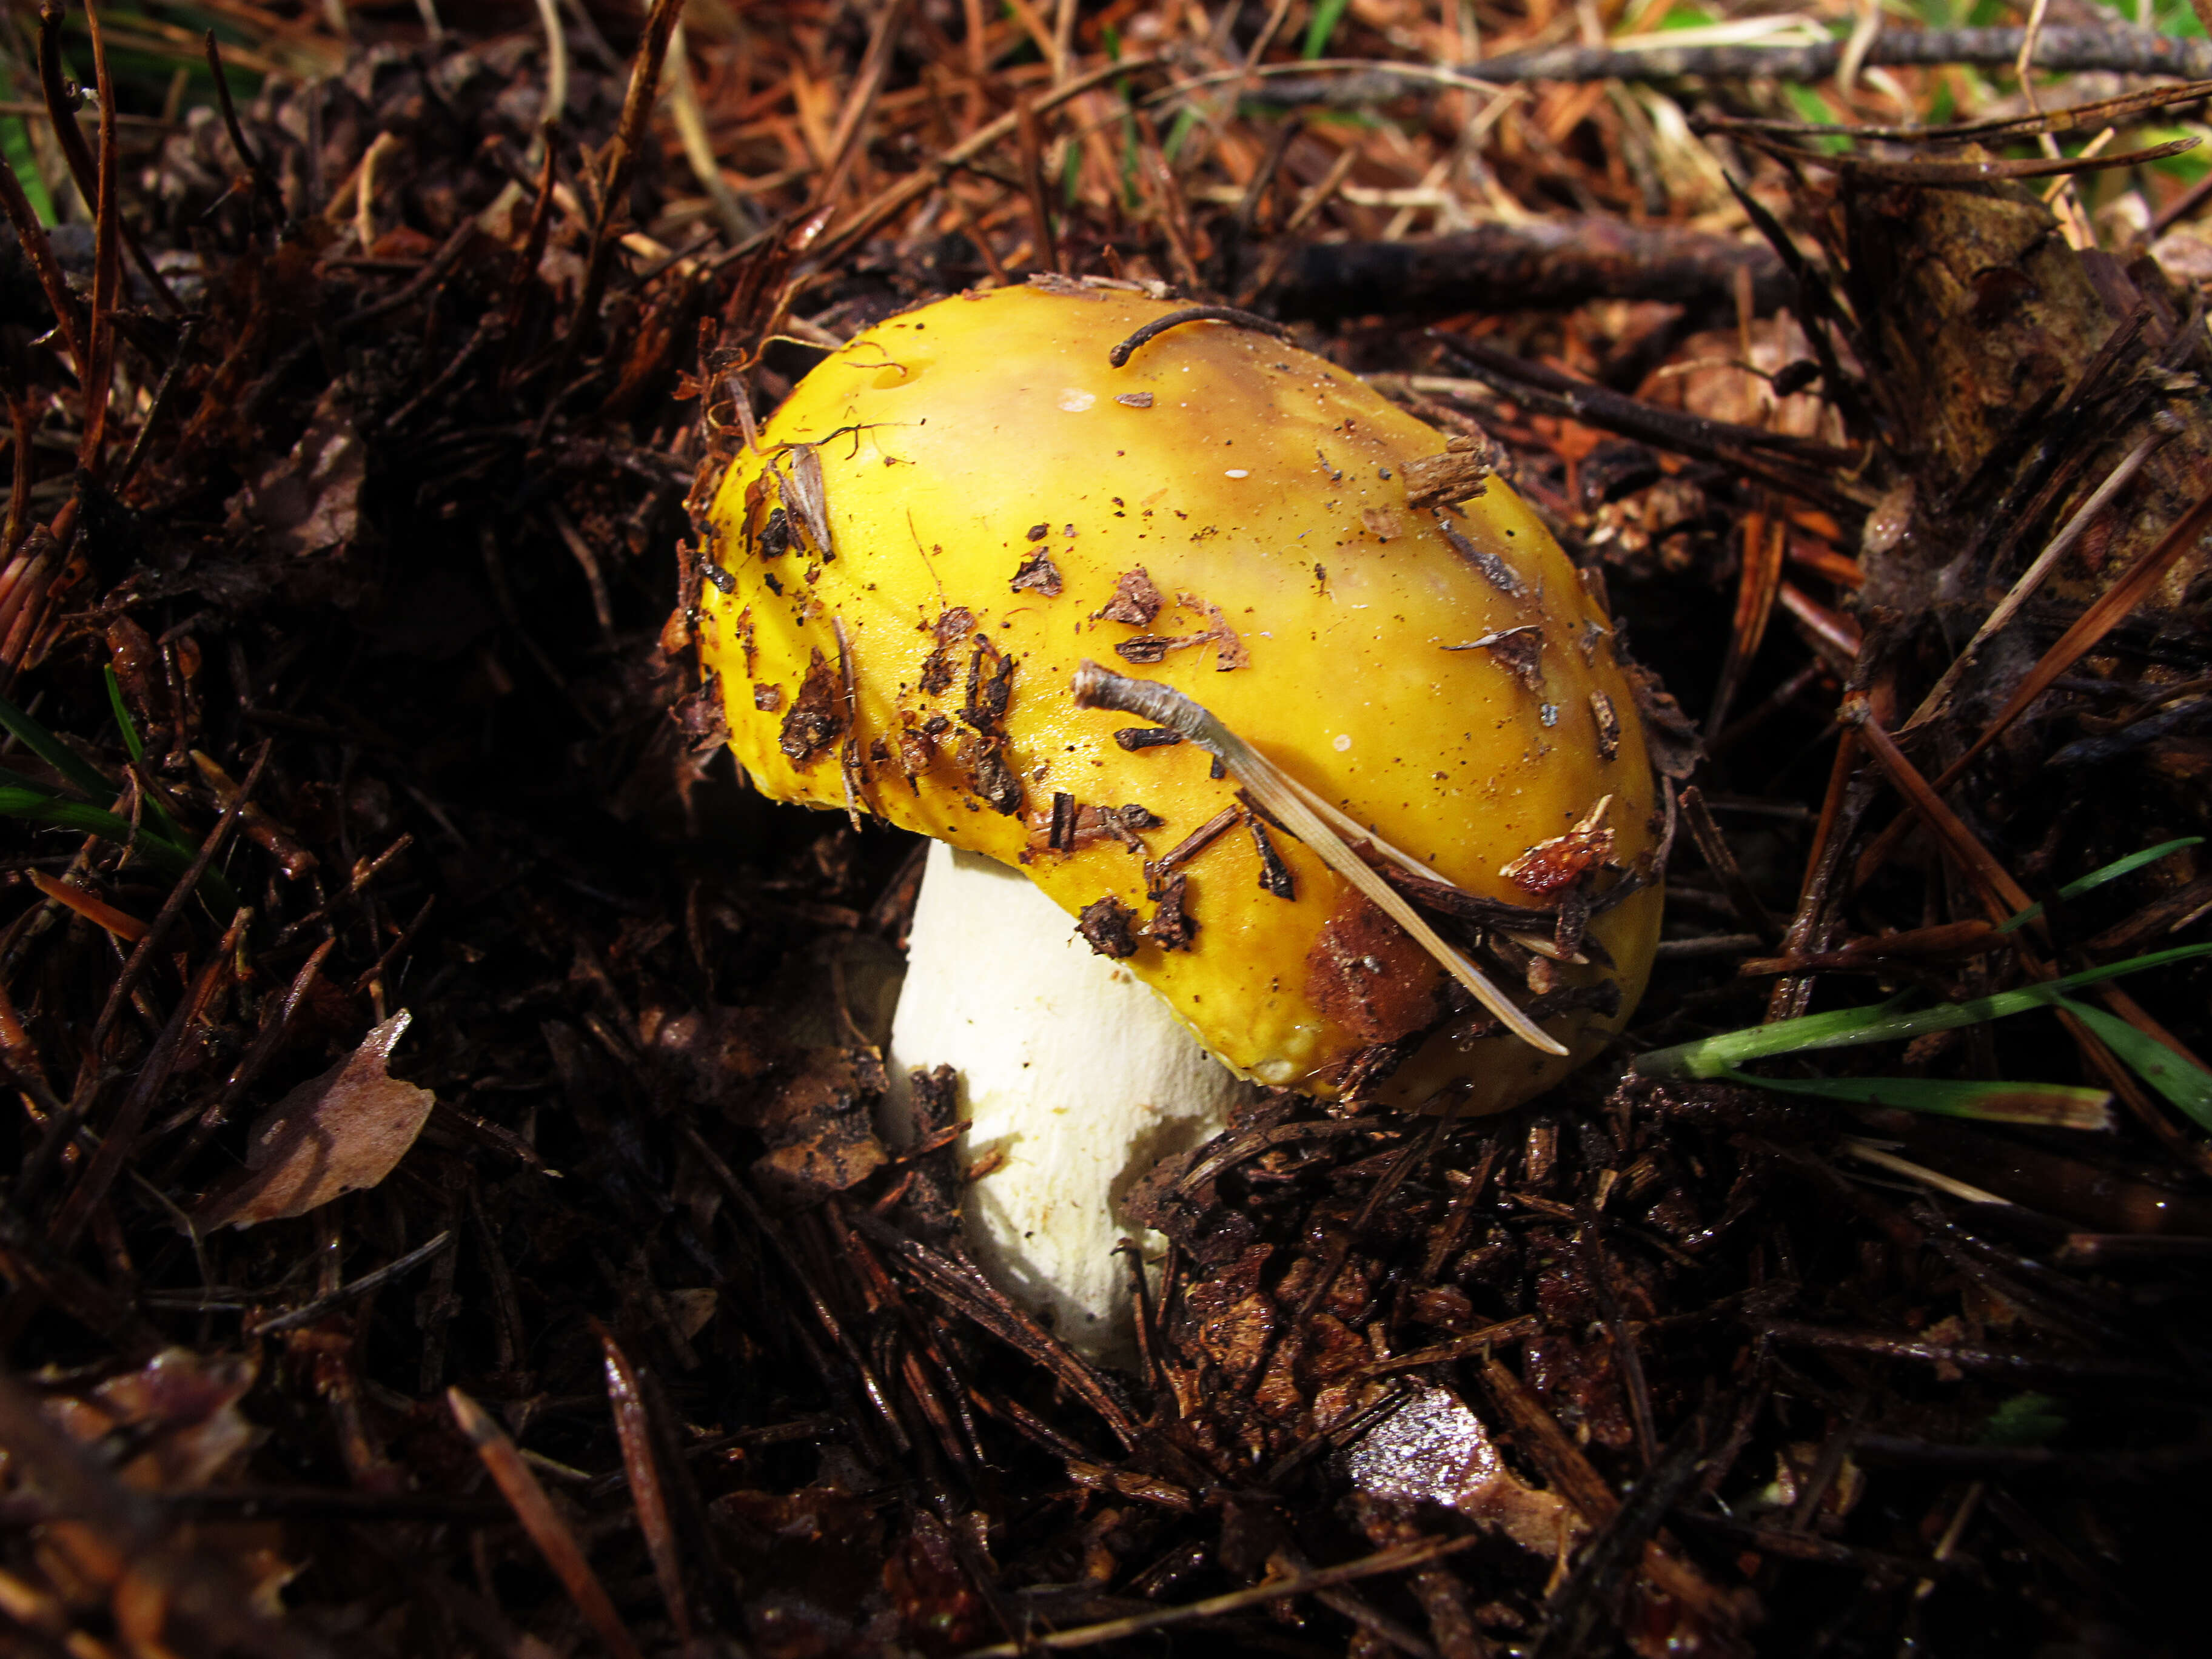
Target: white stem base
1072	1071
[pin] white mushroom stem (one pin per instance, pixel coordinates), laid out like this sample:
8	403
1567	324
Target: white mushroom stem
1074	1078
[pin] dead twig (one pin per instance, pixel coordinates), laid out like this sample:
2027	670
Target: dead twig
2117	50
61	115
1397	1559
620	165
265	185
554	1541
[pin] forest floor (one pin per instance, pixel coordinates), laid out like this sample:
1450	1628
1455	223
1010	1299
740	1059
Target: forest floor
353	723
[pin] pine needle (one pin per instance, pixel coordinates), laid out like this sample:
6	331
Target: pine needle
1148	700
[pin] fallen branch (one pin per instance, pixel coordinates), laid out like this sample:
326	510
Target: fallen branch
2059	51
1550	262
1802	467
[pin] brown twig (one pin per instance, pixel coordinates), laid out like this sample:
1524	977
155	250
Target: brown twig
1624	1541
635	1432
1554	263
1810	471
2077	50
526	288
1397	1559
1928	171
1627	1353
275	1026
1120	355
542	1522
430	276
861	101
2073	118
61	115
2111	607
1030	147
1569	1473
894	198
264	186
38	248
307	1313
621	164
179	895
1758	582
187	338
2002	896
106	260
24	420
121	1130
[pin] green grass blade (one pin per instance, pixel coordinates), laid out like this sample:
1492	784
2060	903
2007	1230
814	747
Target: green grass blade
47	747
28	801
2127	866
164	824
12	779
123	722
2049	1105
2025	1420
1185	123
1713	1056
15	140
2189	1087
171	858
2098	877
1321	28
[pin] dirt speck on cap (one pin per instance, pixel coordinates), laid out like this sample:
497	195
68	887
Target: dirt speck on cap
1105	924
817	719
1135	600
1038	574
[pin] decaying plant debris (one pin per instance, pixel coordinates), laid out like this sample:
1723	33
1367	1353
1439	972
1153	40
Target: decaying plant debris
345	529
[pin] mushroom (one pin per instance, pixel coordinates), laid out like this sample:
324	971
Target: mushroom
1358	797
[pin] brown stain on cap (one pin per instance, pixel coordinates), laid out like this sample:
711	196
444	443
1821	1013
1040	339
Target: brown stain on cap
1365	973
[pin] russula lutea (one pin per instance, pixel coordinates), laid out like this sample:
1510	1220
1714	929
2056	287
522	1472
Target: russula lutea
955	513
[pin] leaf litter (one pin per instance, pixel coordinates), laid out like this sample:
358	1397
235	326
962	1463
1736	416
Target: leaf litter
380	545
342	1132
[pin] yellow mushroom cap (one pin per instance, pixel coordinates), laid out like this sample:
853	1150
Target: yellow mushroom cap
955	511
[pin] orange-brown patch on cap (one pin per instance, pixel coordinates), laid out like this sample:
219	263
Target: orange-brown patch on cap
1367	975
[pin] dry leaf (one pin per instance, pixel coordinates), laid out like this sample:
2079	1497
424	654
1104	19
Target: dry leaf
820	1126
344	1130
180	1407
310	500
1671	735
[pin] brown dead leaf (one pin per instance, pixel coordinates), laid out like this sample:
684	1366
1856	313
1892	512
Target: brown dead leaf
173	1426
341	1132
181	1407
309	500
820	1126
1671	735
